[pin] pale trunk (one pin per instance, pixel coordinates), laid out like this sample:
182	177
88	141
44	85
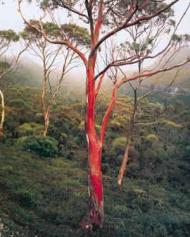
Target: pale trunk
124	164
46	122
45	109
2	114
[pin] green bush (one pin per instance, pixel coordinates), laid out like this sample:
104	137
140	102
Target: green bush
70	155
187	150
118	145
19	103
44	146
155	154
151	138
27	129
25	198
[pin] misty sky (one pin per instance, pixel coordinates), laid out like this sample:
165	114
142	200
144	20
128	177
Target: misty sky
9	17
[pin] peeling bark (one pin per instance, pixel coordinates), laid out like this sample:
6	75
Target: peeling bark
95	217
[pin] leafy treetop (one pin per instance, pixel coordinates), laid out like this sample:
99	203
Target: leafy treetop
8	36
76	33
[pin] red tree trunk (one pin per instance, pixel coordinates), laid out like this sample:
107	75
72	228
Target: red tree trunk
95	185
95	216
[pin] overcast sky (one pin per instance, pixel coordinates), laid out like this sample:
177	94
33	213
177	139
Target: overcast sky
9	17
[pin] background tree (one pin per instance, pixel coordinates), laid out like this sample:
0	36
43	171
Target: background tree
7	37
138	44
54	67
104	21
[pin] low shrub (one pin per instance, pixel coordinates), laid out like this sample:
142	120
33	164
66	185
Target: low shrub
27	129
25	198
118	146
43	146
151	138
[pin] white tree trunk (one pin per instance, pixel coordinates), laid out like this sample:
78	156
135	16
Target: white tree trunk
2	114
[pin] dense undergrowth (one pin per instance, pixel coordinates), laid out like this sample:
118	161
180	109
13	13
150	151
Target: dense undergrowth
43	182
47	197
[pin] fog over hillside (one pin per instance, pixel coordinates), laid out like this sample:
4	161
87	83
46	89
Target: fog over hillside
179	76
32	71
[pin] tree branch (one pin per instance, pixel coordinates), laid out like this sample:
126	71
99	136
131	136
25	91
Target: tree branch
62	42
149	74
126	24
108	113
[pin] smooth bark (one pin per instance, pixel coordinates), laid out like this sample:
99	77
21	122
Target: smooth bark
2	114
95	216
123	166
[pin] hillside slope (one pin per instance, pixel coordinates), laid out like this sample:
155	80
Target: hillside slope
180	76
47	198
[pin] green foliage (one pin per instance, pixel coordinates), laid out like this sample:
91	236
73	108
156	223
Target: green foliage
25	198
118	146
187	151
177	38
63	138
151	138
8	36
170	123
186	37
154	155
27	129
119	142
72	31
32	32
180	38
19	103
49	197
119	123
4	65
76	33
52	29
43	146
54	4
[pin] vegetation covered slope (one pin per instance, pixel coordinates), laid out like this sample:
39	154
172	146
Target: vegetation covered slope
45	194
42	197
26	73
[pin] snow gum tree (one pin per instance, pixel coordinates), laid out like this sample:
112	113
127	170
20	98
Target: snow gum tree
55	59
103	25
